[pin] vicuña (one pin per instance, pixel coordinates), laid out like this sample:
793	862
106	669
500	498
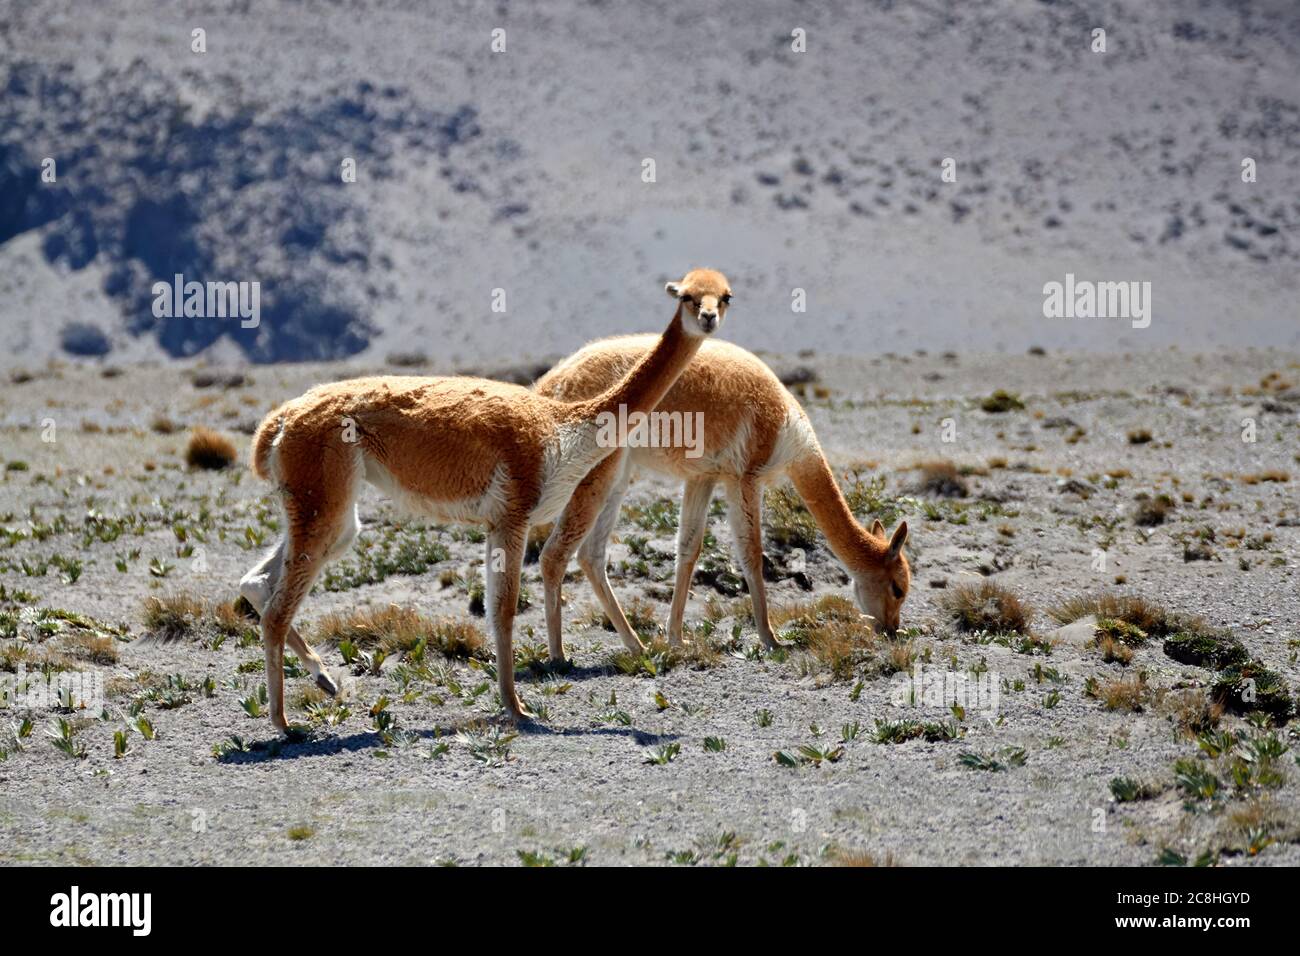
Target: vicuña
755	432
452	449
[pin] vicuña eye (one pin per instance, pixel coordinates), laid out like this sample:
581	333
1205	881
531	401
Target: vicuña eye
726	299
898	592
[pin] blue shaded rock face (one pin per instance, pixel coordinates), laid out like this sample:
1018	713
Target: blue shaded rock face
149	189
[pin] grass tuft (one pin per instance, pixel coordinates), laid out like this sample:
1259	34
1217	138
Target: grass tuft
941	478
209	450
831	629
392	628
987	607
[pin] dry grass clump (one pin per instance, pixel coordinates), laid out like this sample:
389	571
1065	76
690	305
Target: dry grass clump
209	450
172	616
1113	651
841	857
987	607
899	659
90	647
1193	712
1127	693
1147	616
163	425
831	629
1139	436
660	657
1150	510
1273	474
640	616
234	618
941	478
182	615
392	628
1002	401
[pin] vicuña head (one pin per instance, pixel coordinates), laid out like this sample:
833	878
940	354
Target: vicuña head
704	295
881	576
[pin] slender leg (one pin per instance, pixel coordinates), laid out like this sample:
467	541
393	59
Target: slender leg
314	535
300	570
257	586
579	516
690	536
745	511
504	563
592	560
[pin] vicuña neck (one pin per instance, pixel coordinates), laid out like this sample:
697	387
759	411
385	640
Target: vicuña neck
816	484
645	385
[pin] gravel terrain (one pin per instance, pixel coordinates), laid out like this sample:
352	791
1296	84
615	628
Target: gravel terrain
448	784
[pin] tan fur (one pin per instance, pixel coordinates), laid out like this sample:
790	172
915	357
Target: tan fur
754	433
459	449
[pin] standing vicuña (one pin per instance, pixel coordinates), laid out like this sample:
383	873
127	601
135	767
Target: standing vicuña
453	449
754	433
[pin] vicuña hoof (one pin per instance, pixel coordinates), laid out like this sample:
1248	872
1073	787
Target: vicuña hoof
326	683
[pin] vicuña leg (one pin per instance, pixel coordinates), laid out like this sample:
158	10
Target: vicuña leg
305	552
592	559
745	512
257	586
321	520
501	570
580	514
690	536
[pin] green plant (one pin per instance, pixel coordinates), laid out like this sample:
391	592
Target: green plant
1014	757
62	735
662	754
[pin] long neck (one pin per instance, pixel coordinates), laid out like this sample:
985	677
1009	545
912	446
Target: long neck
645	385
853	544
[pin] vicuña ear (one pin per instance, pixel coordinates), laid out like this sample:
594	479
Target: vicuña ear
898	540
674	289
877	529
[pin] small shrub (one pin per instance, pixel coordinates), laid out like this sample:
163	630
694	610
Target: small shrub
942	479
1152	511
1252	687
831	629
789	522
1128	693
986	607
392	628
173	616
209	450
1147	616
1214	650
1002	401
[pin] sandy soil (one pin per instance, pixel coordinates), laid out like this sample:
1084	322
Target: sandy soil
448	787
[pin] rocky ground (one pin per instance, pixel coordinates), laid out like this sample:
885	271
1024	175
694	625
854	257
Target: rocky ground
1123	475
